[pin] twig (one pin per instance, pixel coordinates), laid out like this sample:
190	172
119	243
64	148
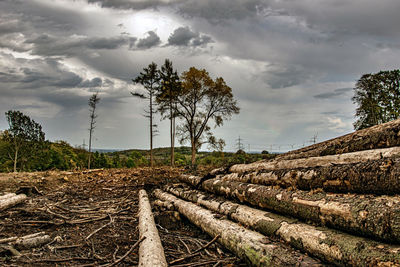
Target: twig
187	248
208	244
126	254
99	229
196	252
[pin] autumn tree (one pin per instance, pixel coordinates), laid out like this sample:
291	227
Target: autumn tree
201	101
93	101
24	134
377	97
149	79
169	89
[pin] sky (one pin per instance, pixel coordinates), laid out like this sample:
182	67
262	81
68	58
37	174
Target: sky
292	64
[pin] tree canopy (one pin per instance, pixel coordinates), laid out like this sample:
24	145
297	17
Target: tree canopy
201	101
23	133
378	98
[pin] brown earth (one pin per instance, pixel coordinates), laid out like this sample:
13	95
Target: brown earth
92	219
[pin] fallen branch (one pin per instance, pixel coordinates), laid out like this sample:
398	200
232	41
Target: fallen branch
248	245
126	254
11	201
328	245
196	252
151	252
102	227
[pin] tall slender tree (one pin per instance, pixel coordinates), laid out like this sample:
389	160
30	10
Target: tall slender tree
93	101
201	101
24	134
170	87
150	79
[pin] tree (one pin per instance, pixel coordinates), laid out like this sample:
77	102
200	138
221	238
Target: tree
24	134
149	78
201	101
170	87
93	101
378	98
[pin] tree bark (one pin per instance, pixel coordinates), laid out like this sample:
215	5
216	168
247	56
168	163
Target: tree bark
311	162
366	177
379	136
364	215
151	252
12	201
329	245
251	246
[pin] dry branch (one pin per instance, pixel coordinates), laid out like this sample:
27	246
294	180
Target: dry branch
248	245
379	136
151	252
364	215
329	245
11	201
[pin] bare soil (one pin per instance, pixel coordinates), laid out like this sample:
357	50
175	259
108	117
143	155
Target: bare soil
92	219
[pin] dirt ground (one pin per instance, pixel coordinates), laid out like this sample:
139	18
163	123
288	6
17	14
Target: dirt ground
91	218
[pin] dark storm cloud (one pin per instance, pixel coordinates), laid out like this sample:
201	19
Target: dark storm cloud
211	10
150	41
184	36
48	45
131	4
281	76
335	93
38	73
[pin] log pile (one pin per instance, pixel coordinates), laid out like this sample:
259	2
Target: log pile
336	201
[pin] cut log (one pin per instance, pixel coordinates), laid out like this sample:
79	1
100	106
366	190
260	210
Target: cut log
12	201
311	162
329	245
151	252
251	246
164	204
365	215
366	177
379	136
7	195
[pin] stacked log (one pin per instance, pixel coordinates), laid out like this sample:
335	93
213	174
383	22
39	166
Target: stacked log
337	201
379	136
324	243
251	246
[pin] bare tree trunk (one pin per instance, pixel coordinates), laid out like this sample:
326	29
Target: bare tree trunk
90	143
15	159
151	131
251	246
193	153
151	252
329	245
172	134
379	136
365	215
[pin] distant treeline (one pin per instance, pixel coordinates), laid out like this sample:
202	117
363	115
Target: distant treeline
60	155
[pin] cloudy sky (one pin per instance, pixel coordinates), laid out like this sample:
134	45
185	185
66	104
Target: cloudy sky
292	64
